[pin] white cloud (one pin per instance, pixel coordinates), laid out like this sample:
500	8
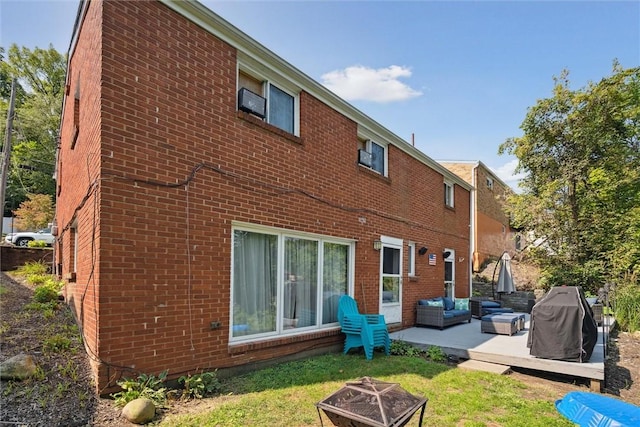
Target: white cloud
507	173
359	83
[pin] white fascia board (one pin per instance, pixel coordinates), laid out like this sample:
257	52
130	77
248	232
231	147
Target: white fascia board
251	51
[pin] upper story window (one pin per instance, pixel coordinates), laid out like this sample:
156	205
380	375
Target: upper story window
448	194
490	183
76	114
373	155
268	101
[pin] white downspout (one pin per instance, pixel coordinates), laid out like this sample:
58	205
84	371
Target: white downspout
472	226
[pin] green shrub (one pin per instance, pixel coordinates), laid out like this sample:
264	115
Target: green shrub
626	306
48	290
37	279
32	267
148	386
199	385
37	244
436	354
45	294
57	344
403	348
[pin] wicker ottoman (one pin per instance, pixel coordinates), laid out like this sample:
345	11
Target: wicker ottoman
520	319
499	324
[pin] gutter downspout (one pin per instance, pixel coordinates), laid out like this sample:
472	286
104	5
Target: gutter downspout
472	226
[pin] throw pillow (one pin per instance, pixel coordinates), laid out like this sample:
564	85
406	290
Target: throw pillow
448	303
435	303
462	303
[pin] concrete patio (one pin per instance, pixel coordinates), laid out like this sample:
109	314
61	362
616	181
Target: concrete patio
466	341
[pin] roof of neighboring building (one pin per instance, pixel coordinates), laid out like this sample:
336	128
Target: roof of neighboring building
475	164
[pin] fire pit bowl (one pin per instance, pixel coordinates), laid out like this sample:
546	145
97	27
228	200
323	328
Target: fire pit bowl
371	403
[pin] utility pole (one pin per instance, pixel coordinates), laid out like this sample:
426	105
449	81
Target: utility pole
6	152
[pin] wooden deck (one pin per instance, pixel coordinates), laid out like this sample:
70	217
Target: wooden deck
467	342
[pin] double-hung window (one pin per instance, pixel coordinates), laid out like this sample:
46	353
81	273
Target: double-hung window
283	282
280	103
448	194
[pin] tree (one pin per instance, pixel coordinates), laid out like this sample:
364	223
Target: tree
581	154
34	213
41	76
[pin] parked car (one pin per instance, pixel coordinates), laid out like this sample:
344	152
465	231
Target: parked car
23	238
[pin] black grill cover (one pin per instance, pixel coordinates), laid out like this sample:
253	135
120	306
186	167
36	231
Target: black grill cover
562	326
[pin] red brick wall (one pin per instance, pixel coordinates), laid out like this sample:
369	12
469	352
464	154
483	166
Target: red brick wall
78	176
492	229
156	244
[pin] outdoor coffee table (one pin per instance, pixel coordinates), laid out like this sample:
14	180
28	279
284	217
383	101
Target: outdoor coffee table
499	324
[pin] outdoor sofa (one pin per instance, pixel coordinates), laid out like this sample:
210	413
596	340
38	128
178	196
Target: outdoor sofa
441	312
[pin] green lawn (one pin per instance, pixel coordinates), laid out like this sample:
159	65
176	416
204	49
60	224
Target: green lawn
285	395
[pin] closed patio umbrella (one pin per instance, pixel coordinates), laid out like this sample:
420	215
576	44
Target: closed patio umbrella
505	278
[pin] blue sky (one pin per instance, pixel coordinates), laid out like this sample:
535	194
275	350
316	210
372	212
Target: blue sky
457	75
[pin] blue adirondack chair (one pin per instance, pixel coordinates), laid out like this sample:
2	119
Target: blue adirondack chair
362	330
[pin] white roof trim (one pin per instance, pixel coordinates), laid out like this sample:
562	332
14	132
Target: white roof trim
251	50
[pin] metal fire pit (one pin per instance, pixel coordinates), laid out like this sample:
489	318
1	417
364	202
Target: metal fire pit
371	403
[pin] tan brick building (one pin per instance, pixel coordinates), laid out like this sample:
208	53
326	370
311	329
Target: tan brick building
491	228
213	201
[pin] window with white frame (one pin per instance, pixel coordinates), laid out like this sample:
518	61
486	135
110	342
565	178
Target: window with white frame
449	273
376	158
411	259
283	282
280	103
448	194
391	274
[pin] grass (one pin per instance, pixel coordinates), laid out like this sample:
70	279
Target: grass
286	394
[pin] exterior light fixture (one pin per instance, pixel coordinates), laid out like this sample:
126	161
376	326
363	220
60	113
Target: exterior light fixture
377	245
423	250
446	254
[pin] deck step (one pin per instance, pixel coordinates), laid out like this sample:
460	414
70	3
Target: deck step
478	365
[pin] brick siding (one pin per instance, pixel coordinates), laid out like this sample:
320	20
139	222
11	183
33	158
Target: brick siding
164	165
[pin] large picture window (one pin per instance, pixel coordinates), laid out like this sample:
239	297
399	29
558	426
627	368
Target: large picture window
283	283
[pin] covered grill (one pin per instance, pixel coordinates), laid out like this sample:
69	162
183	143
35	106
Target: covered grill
372	403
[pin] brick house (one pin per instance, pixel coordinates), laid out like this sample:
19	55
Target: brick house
491	227
213	201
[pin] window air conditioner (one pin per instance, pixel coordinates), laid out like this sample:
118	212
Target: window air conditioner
364	158
252	103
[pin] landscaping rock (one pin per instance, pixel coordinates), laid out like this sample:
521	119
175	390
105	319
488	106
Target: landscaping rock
139	411
19	367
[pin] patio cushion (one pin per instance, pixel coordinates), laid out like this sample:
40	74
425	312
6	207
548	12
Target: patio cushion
496	318
462	304
435	303
454	312
490	304
448	303
496	310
